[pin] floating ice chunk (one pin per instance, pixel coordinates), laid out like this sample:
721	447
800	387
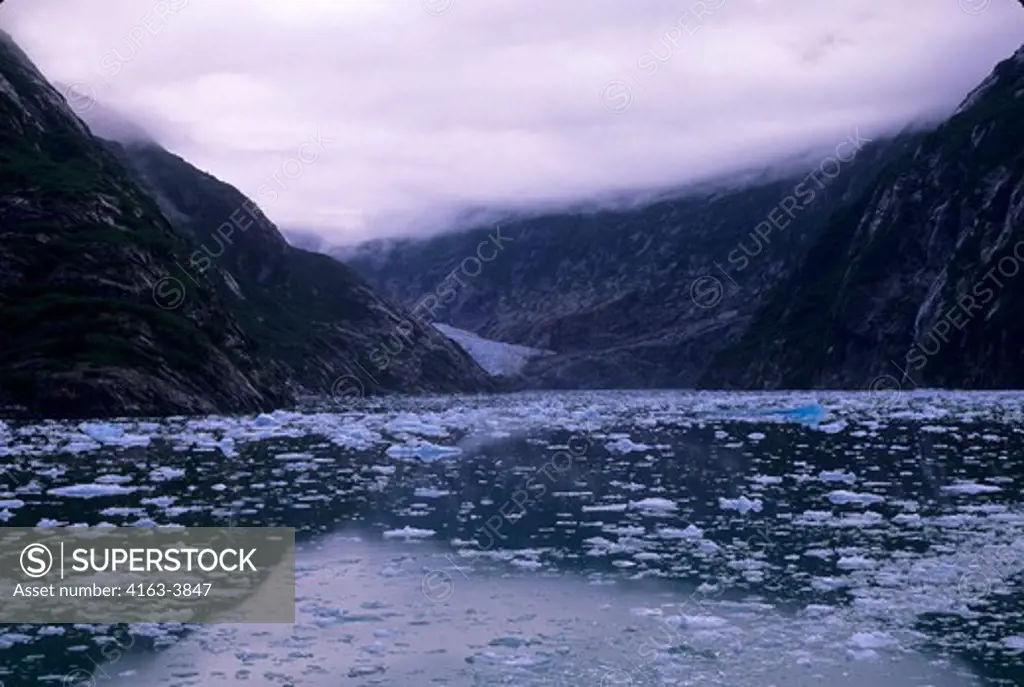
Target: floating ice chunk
625	445
111	435
102	432
766	479
654	504
88	491
302	455
350	436
605	508
264	420
11	503
691	532
411	424
409	533
1014	643
164	473
227	447
383	469
864	519
837	476
812	412
828	584
430	493
971	488
742	504
424	450
833	427
114	511
756	436
113	479
842	496
526	564
708	546
82	445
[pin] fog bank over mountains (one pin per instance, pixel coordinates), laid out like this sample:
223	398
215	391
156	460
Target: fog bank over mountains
509	103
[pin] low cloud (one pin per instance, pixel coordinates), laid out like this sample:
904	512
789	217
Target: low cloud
434	106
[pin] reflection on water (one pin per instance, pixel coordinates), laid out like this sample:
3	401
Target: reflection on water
388	614
565	539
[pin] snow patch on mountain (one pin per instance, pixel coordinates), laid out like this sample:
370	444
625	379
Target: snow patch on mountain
496	357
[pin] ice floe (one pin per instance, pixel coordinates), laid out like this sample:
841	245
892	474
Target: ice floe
841	496
625	445
691	532
408	532
837	476
424	450
654	504
971	488
88	491
741	504
430	493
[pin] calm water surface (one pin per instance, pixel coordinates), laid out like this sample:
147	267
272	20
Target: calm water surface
565	539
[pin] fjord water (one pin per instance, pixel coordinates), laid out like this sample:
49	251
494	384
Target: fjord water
614	538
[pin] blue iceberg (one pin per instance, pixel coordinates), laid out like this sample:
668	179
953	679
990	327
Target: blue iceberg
812	413
808	414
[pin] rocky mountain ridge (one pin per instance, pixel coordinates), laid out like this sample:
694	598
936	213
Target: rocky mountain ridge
917	283
101	316
633	297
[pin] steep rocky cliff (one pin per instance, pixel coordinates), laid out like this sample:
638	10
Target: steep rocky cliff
82	249
315	318
630	297
104	314
918	283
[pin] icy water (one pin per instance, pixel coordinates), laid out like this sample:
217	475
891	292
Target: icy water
609	539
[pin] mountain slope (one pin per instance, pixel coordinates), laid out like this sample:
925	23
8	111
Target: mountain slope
82	249
918	283
315	318
612	292
110	309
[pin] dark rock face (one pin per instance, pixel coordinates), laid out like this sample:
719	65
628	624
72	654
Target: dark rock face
98	318
918	283
315	319
630	297
82	250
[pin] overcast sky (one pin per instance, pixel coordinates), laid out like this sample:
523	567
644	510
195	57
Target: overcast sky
431	105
